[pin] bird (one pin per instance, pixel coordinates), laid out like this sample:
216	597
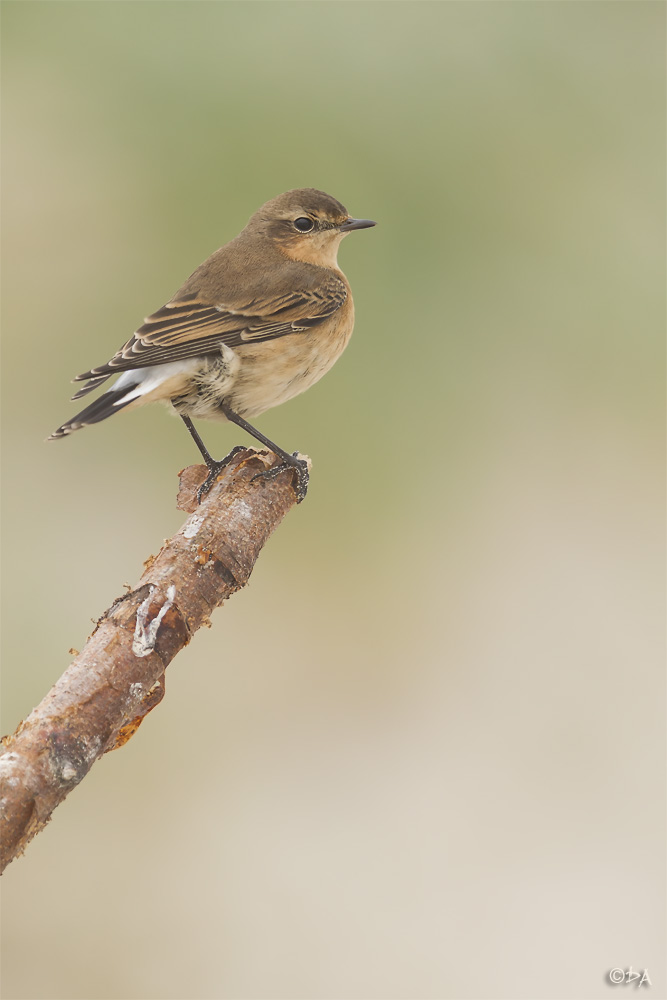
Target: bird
260	321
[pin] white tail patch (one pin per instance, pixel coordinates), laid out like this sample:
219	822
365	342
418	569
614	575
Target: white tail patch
143	381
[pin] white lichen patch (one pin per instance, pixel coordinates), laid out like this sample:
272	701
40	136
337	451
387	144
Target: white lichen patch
243	510
192	525
145	632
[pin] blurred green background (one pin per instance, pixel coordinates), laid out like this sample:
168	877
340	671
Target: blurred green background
439	773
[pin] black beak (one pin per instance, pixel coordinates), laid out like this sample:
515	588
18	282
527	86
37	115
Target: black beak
345	227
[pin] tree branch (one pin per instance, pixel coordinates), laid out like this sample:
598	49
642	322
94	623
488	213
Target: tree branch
110	686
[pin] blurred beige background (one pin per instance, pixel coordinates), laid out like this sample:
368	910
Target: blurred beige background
440	774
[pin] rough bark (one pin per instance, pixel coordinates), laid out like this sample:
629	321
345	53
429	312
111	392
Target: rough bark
118	677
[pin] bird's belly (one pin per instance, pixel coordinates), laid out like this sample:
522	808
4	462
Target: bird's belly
275	371
253	378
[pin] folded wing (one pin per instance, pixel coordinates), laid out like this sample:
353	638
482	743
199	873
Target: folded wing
188	327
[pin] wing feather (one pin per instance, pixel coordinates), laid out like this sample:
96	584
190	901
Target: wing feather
188	328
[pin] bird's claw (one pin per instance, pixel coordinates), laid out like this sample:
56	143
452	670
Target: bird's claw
296	465
214	470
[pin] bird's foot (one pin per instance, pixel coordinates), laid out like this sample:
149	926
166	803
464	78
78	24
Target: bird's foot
291	464
214	470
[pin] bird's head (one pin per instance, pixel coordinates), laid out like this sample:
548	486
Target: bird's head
306	224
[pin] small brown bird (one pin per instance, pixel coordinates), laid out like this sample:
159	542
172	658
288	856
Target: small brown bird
258	322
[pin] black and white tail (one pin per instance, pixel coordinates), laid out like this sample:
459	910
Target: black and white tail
139	385
108	403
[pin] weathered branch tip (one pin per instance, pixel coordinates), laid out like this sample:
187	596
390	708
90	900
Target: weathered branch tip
118	677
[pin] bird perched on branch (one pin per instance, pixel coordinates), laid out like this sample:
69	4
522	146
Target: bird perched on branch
258	322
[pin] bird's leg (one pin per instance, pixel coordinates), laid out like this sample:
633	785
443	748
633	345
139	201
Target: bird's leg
289	462
214	468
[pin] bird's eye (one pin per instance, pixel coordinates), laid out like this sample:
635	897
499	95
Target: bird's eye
303	224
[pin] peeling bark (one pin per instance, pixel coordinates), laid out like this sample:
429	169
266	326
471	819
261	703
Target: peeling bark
118	677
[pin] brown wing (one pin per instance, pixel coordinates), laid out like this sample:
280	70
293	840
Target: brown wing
188	327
